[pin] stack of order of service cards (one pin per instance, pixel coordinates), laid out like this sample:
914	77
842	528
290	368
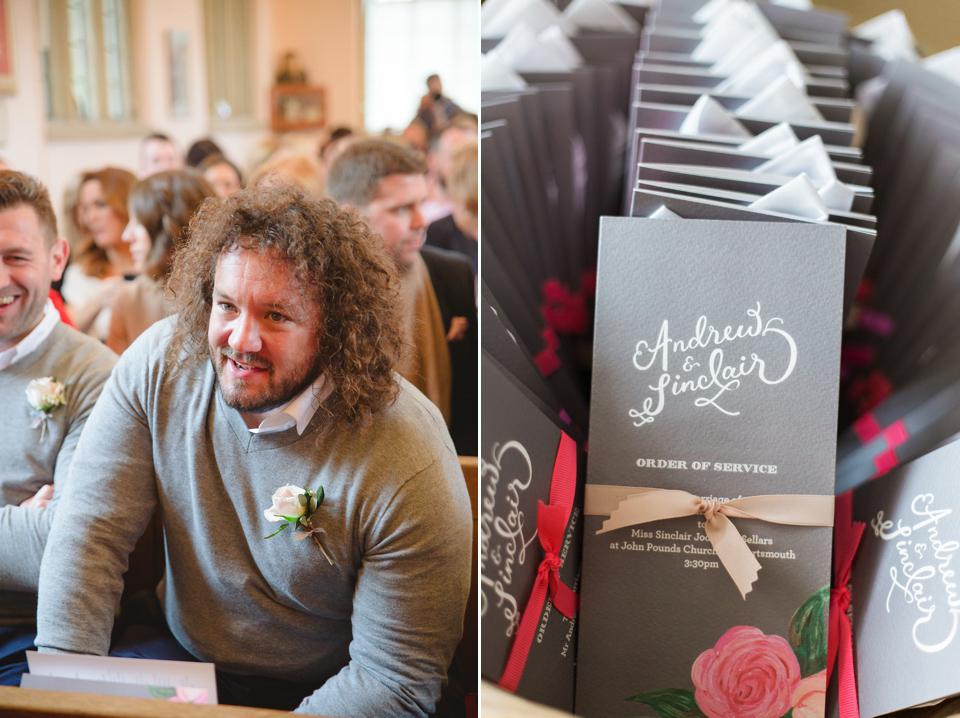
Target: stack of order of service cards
715	380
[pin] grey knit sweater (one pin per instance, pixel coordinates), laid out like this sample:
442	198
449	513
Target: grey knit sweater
30	458
376	630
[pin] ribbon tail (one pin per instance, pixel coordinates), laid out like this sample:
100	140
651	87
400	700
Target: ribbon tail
733	553
652	506
564	598
528	626
847	685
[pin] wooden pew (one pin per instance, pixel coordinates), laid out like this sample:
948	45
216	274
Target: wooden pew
24	703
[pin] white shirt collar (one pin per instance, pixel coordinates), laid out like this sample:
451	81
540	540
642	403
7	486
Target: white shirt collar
299	411
51	317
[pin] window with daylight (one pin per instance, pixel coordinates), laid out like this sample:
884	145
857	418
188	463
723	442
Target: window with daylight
228	27
408	40
87	62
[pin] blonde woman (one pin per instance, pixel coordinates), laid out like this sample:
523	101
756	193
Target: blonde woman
101	259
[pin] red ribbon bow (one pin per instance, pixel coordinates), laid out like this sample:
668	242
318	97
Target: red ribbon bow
552	522
846	539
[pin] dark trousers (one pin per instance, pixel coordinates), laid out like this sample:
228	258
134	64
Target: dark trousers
143	633
15	641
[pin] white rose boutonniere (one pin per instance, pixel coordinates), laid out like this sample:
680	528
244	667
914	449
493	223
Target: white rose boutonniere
296	507
45	395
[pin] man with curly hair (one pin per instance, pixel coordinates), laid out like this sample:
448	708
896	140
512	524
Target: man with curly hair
275	377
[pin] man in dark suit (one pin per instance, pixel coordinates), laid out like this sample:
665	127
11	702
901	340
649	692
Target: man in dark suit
386	184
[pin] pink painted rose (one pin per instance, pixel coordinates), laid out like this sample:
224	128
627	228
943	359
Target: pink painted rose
747	674
809	699
189	695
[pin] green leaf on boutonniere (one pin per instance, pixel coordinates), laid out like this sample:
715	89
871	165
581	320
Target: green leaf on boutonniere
162	692
670	703
808	634
277	531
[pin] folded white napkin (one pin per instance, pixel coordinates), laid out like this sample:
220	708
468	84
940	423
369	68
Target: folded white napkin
600	16
795	4
775	141
523	51
536	14
798	197
555	38
708	117
836	195
946	63
771	64
890	35
744	50
780	101
494	75
809	157
712	9
662	212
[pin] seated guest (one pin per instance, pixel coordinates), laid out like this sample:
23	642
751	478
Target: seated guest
335	144
458	231
439	162
275	376
222	174
162	205
50	377
292	168
158	154
200	150
101	260
385	182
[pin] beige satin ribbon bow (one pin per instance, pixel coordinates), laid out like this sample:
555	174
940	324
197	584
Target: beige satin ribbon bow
629	506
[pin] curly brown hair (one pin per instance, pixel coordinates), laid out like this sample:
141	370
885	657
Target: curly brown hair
116	184
164	203
339	268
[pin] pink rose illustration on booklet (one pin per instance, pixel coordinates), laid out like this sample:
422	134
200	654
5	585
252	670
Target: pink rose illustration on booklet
750	674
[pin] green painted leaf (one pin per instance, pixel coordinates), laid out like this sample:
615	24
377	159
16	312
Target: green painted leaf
162	692
670	703
319	493
808	633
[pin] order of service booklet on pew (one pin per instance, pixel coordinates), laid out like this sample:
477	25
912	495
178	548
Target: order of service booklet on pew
715	378
176	681
906	616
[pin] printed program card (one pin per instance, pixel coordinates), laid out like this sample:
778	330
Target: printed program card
180	681
715	373
906	591
518	455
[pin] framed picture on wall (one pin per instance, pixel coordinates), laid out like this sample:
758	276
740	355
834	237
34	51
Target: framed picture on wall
8	65
297	107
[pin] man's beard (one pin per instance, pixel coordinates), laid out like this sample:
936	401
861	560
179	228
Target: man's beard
272	396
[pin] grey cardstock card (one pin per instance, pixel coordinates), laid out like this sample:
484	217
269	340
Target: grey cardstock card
716	361
906	601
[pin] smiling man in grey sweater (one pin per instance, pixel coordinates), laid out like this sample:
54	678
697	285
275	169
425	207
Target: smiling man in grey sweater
50	377
277	372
